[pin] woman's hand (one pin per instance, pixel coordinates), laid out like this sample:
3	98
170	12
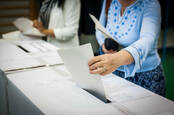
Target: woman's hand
103	64
42	29
107	51
39	26
108	63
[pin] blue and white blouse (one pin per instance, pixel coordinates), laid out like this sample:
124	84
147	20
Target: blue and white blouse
137	30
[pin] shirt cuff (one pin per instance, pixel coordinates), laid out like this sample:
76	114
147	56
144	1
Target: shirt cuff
58	34
131	69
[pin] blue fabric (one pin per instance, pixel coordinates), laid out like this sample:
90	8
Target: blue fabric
137	30
152	80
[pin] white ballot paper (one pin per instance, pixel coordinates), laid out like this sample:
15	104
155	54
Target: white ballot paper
26	26
99	27
76	60
36	46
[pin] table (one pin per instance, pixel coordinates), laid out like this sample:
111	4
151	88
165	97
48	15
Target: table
50	90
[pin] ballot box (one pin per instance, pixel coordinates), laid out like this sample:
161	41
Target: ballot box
45	91
135	100
51	91
27	54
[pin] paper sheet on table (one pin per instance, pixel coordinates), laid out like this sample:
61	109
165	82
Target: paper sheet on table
76	60
44	52
99	27
36	46
26	25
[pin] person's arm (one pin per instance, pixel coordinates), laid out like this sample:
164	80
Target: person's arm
133	56
108	63
48	32
149	34
71	17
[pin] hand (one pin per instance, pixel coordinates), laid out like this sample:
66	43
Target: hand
39	26
103	64
107	51
108	63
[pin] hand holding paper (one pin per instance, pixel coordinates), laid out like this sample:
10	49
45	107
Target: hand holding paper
38	25
76	61
110	42
99	27
26	26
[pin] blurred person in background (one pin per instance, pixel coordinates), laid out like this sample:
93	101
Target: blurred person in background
59	21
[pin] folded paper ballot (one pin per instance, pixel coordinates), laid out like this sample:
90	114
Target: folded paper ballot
26	26
110	43
76	60
99	27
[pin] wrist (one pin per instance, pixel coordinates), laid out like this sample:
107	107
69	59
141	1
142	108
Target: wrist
48	32
43	31
116	59
122	58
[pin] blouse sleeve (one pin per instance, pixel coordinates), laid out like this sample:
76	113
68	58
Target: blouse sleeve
149	34
71	17
99	35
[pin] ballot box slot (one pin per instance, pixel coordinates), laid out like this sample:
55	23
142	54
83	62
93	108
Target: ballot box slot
23	49
97	95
